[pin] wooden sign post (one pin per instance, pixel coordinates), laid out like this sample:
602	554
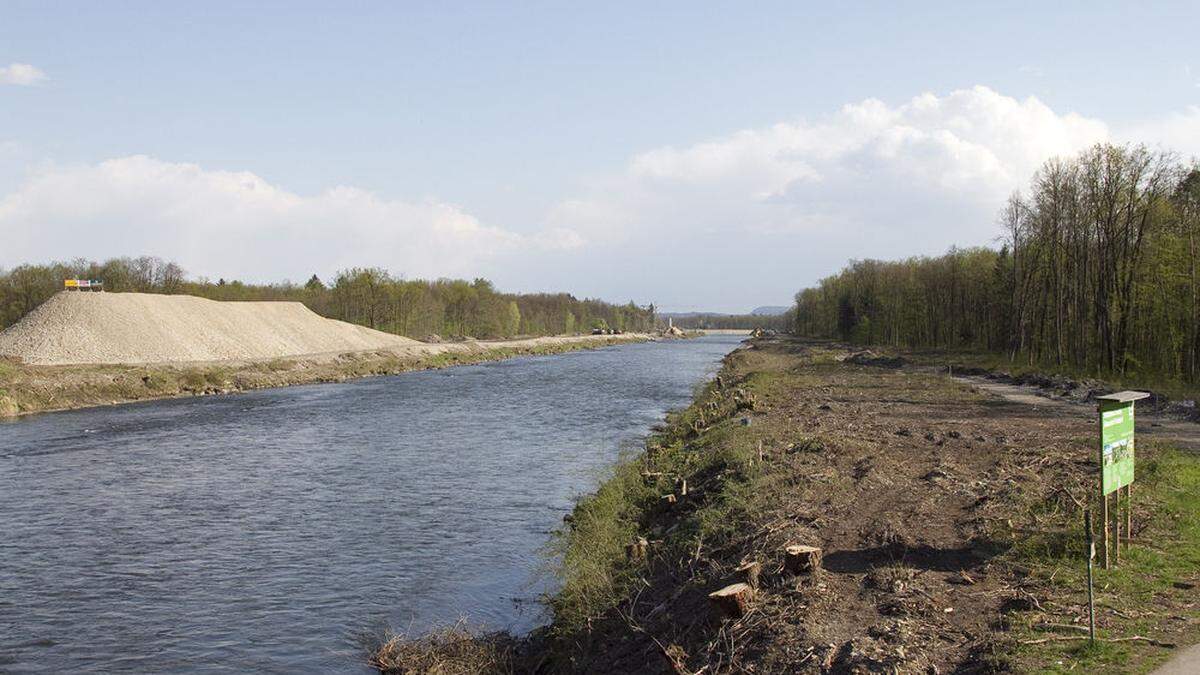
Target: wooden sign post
1116	467
1091	559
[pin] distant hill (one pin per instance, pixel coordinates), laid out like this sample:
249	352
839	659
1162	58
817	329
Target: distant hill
770	310
765	310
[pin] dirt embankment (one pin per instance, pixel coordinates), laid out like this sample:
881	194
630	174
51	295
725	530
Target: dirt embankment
87	349
950	522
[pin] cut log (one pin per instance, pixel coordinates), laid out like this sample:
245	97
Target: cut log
749	573
682	487
669	501
651	477
801	559
733	601
636	550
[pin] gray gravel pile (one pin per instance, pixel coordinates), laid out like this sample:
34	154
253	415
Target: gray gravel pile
79	328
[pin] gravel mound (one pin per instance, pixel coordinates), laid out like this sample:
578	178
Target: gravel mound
77	328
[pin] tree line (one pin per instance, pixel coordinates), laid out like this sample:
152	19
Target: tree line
1097	272
370	297
703	320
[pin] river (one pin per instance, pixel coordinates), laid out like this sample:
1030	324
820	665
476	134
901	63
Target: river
263	531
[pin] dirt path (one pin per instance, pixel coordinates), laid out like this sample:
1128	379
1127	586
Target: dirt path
1186	662
1181	433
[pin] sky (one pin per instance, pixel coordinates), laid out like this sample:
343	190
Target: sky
701	156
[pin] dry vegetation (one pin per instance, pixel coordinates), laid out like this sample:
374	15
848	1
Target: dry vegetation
452	650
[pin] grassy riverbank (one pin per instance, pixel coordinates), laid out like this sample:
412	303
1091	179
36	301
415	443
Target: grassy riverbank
28	389
950	523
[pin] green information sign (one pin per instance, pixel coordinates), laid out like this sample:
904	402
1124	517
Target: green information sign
1116	440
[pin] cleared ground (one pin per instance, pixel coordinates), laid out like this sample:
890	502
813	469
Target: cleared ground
950	520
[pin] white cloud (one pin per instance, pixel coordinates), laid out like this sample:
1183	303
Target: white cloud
778	206
235	224
741	219
21	74
973	139
1178	132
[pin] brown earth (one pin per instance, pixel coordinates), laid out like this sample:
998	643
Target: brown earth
917	488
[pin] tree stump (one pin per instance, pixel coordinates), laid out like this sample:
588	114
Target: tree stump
636	550
732	601
743	400
749	572
801	559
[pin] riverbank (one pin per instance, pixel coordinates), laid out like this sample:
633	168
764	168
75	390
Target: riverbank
26	389
950	522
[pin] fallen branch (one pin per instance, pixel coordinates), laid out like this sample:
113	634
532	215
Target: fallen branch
1060	626
1132	638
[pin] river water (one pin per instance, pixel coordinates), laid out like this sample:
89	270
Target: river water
263	531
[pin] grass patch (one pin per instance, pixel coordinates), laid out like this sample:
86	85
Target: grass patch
593	570
279	365
705	446
1146	595
160	380
8	370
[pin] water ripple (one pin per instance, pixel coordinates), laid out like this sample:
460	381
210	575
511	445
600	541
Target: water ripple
260	531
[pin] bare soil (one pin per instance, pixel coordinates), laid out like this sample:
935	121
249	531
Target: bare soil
920	489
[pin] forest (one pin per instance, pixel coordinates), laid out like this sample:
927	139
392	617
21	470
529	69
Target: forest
450	308
1096	273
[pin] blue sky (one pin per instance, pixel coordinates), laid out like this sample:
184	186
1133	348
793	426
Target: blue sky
608	149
